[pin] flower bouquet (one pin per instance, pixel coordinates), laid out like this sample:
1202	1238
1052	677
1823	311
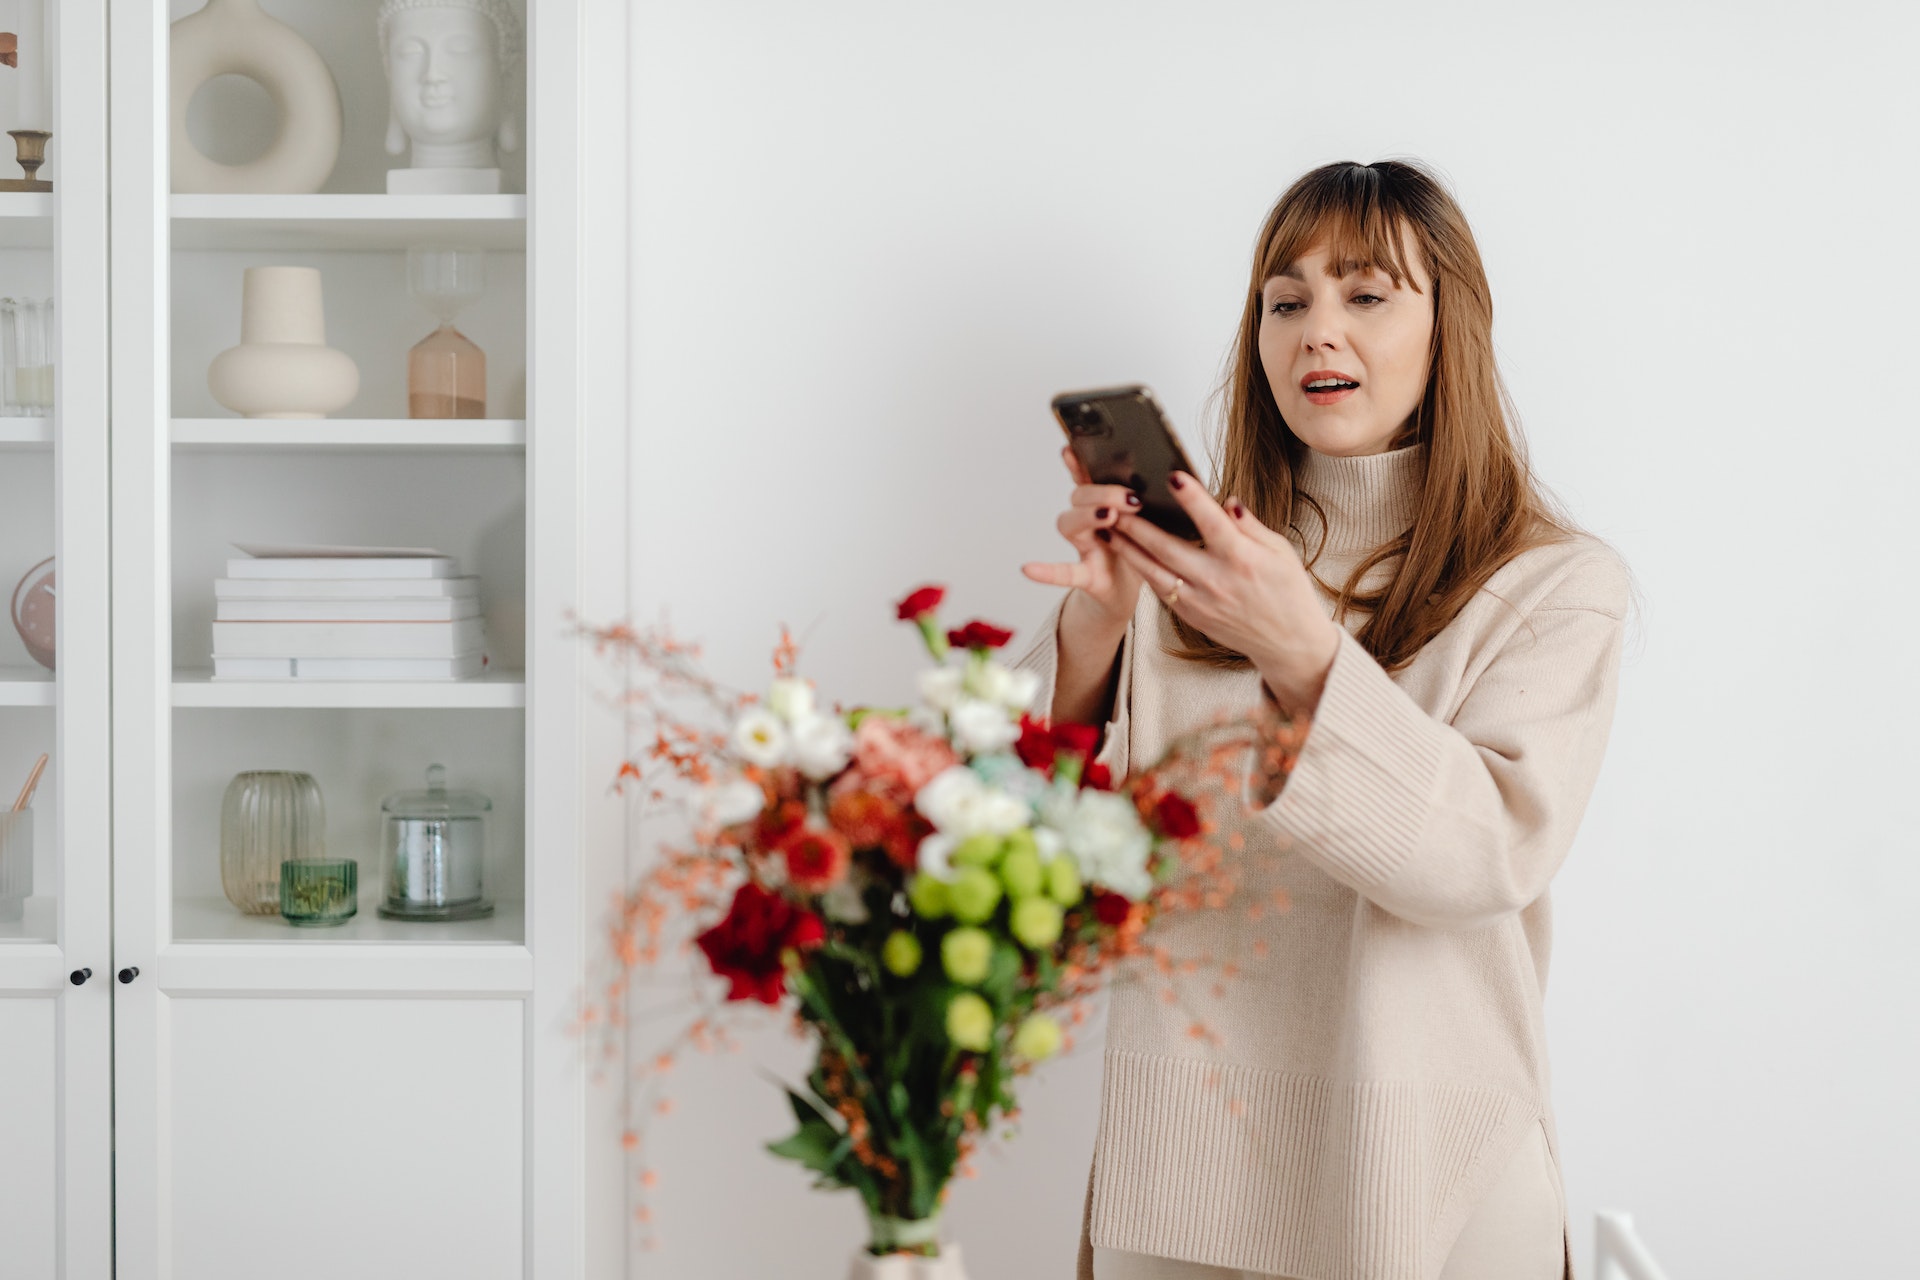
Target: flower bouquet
931	893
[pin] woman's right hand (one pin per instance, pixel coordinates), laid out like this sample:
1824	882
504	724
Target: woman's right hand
1110	586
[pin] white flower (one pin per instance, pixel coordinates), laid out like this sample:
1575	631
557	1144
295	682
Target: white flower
732	802
987	681
939	686
791	699
1109	845
980	727
822	745
1002	686
760	738
844	903
935	855
1021	688
1047	842
959	804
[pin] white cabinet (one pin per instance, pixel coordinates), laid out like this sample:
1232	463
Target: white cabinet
56	1151
383	1099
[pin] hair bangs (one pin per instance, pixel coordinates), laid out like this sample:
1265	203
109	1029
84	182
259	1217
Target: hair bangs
1353	219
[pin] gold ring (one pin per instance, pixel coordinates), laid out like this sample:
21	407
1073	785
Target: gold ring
1173	596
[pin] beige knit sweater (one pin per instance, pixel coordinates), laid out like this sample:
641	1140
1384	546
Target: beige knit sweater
1384	1047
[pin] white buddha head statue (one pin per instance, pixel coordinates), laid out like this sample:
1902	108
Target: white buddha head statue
451	66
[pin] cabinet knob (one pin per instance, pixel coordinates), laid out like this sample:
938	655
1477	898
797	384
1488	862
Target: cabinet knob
79	976
129	973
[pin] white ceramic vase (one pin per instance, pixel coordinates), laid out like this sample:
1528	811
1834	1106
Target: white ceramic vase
234	37
283	367
906	1266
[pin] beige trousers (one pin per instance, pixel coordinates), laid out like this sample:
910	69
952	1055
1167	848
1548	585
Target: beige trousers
1513	1235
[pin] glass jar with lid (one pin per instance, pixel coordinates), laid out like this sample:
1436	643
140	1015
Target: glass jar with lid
434	849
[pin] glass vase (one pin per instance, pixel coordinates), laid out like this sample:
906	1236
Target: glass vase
26	357
268	817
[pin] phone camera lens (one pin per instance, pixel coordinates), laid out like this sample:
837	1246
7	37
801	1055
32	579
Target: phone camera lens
1085	420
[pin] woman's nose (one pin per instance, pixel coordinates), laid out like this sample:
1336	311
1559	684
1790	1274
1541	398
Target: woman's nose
1322	329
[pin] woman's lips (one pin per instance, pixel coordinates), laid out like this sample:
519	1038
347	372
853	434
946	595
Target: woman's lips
1332	396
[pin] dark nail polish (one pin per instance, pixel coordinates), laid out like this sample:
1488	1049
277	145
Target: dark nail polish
1099	513
1105	535
1238	509
1133	499
1174	480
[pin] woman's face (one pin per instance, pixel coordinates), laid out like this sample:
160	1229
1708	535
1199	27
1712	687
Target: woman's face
1360	328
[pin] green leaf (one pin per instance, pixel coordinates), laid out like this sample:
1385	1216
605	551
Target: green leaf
816	1145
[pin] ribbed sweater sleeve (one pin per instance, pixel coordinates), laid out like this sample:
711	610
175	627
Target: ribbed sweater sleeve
1452	825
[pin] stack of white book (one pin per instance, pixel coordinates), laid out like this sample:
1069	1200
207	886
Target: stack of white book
349	615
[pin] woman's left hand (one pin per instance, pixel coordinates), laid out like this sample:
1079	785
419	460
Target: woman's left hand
1245	587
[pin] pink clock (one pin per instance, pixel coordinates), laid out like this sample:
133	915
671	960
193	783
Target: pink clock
33	611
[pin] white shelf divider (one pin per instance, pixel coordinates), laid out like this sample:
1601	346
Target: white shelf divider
362	222
34	433
505	689
26	219
371	434
26	687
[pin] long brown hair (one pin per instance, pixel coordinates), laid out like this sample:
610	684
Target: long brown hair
1479	504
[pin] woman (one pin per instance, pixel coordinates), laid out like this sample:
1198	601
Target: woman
1380	562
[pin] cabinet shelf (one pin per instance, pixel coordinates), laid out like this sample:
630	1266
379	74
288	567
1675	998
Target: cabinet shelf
241	435
26	687
28	433
205	920
354	222
26	219
505	689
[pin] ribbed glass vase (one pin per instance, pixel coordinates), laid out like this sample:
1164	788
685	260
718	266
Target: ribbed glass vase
268	816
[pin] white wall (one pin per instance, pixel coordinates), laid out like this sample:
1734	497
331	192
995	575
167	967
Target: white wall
869	240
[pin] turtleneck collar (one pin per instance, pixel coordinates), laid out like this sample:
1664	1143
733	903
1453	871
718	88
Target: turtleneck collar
1368	500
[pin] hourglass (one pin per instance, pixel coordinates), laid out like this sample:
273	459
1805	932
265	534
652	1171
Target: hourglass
446	372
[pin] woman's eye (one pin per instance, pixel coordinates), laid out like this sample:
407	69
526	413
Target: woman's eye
1368	297
1283	308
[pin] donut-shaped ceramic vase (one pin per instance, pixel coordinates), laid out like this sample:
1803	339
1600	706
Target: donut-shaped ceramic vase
233	37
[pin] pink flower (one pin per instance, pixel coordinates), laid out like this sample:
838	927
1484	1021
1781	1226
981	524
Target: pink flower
886	749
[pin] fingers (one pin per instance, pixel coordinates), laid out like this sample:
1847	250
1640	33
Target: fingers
1249	524
1159	577
1076	574
1200	507
1177	554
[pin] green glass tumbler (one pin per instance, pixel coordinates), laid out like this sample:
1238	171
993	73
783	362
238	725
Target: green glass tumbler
319	891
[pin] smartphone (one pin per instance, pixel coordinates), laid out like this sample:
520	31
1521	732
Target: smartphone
1122	436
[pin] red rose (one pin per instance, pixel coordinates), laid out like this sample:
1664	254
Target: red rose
1076	739
979	635
817	858
924	600
1035	745
1110	908
1098	777
1176	817
745	947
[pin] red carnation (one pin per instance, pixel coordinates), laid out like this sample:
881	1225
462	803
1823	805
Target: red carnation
924	600
1176	817
1076	739
1035	745
979	635
775	825
1098	777
1110	908
745	947
817	858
